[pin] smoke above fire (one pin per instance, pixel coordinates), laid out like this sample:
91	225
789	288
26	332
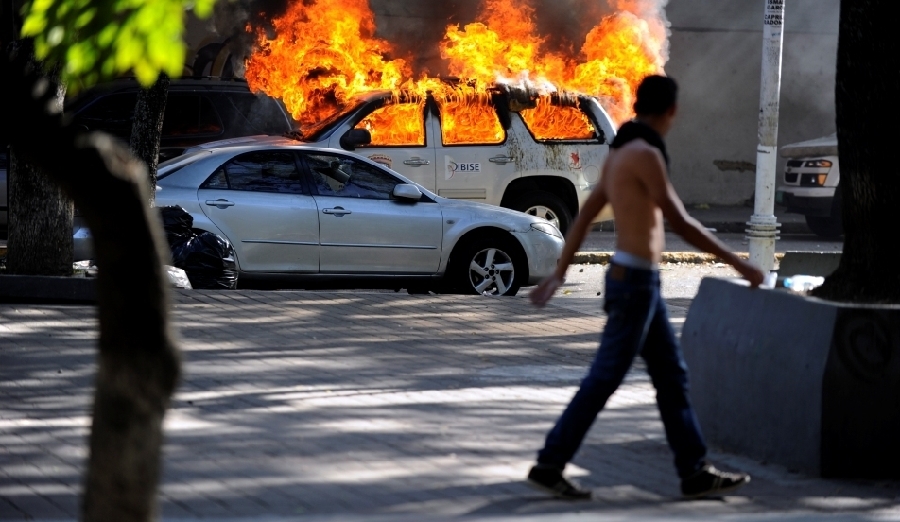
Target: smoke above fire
316	55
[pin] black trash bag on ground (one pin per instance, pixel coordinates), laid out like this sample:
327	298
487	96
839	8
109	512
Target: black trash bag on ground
207	259
178	225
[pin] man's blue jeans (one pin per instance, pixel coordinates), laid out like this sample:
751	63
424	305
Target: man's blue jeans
637	324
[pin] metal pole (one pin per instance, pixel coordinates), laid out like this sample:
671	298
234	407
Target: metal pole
763	229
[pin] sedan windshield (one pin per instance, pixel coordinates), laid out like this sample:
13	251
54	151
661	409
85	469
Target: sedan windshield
317	131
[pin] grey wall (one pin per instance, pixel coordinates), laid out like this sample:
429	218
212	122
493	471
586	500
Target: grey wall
715	54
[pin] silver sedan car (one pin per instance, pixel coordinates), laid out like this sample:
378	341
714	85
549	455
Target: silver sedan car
316	216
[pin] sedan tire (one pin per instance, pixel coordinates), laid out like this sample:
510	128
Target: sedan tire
493	265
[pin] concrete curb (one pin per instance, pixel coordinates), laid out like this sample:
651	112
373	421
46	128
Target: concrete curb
47	289
602	258
721	227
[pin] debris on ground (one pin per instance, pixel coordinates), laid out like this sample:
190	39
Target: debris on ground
207	259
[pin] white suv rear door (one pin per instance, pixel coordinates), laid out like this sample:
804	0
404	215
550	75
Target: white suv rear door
473	171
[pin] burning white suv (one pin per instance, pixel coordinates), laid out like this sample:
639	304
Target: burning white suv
537	154
810	182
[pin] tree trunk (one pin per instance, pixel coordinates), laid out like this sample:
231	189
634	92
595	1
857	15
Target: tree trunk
138	360
40	214
867	87
147	127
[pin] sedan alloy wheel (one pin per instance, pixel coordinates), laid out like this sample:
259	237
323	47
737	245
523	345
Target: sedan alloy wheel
491	272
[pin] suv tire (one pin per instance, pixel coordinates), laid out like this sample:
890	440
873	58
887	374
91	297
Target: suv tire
545	205
828	226
825	226
490	265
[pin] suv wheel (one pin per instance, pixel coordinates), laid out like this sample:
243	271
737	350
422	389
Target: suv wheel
828	226
488	266
544	205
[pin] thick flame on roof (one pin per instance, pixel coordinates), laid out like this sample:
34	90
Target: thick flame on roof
325	53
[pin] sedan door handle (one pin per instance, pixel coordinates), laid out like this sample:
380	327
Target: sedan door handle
336	211
502	160
416	162
219	203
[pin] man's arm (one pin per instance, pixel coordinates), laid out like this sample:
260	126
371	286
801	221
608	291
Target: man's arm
652	169
594	204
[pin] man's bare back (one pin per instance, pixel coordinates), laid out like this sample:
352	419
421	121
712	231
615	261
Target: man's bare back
639	221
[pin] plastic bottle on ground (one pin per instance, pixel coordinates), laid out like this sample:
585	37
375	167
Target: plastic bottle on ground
802	283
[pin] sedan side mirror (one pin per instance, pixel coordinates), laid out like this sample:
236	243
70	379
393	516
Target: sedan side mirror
407	191
354	138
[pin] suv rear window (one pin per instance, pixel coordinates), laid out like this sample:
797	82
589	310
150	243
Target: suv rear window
113	113
190	115
251	114
553	122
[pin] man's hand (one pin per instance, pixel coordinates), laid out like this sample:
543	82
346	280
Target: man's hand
752	274
541	294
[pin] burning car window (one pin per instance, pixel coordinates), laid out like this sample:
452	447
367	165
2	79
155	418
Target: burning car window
323	128
398	124
552	122
469	120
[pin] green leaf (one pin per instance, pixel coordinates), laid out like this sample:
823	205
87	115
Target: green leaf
97	40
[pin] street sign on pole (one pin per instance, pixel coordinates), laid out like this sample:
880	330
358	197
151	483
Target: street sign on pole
763	227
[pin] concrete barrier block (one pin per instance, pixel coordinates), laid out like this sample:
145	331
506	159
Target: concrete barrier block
809	263
794	380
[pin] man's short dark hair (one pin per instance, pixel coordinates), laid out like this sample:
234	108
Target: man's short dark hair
655	95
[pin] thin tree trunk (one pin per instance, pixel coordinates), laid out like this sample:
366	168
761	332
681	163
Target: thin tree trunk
147	127
39	214
867	87
138	360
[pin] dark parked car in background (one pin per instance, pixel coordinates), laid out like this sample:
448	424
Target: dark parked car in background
198	110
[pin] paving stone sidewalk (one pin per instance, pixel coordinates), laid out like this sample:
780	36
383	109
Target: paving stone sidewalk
318	406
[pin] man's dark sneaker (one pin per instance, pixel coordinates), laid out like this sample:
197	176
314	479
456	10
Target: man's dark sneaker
550	480
709	482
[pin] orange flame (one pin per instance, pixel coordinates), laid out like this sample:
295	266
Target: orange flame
326	52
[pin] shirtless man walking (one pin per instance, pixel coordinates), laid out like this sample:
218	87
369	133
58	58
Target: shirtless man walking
635	183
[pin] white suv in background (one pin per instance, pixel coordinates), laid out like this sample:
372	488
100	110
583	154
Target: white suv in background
809	183
522	164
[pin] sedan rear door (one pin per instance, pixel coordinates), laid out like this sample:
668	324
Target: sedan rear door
260	202
362	229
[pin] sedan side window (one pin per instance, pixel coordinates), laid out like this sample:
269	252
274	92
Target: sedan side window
259	171
344	177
